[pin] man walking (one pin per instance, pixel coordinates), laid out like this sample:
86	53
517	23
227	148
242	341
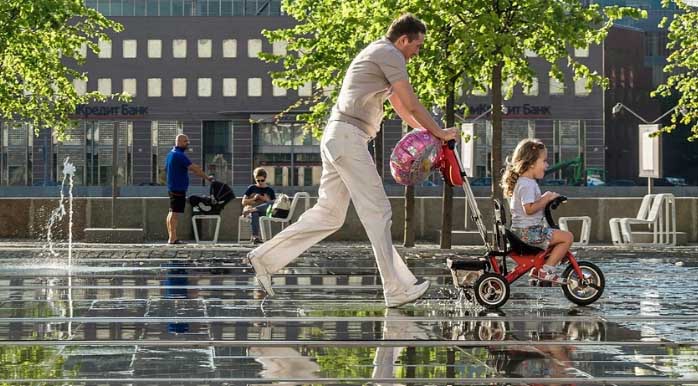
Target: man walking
177	166
349	174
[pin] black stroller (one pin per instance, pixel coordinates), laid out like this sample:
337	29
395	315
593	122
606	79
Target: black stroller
219	195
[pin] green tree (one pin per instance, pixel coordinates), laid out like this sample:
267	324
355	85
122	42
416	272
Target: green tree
36	38
471	44
682	65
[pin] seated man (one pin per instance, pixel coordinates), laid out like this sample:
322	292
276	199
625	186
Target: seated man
257	199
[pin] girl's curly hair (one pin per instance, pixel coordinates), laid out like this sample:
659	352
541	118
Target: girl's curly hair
525	155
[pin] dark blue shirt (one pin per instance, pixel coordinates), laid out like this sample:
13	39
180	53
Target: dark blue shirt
177	167
254	189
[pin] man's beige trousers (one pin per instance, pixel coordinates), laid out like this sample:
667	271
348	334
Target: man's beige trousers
348	174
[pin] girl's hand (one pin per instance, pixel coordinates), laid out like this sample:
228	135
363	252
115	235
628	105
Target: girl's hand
549	196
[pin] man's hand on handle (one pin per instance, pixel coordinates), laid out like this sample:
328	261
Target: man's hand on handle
449	134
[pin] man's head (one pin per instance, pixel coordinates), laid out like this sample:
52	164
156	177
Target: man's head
260	176
182	141
407	33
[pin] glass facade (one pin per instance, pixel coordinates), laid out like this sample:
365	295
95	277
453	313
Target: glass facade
289	154
187	7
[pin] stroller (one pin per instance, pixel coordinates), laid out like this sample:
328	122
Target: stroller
219	195
488	277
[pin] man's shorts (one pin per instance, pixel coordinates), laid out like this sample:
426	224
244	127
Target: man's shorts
537	235
178	200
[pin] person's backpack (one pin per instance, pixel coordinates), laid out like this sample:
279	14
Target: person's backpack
281	206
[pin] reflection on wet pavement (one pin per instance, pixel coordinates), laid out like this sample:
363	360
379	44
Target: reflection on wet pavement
195	317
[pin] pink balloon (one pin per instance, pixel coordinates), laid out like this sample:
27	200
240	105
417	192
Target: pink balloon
414	157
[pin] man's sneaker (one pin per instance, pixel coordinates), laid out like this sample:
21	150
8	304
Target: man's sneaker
551	277
263	277
414	293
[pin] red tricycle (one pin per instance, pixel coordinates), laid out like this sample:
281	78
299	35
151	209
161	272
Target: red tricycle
487	277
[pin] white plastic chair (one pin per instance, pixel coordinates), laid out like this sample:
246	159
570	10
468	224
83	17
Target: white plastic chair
586	227
244	227
661	219
265	222
614	223
215	217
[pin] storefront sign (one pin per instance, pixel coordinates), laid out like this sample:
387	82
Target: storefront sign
121	111
520	110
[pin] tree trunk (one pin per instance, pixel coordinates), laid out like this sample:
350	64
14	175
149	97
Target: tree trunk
447	195
496	161
409	217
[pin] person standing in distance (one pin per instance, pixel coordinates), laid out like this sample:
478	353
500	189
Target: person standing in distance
349	173
178	166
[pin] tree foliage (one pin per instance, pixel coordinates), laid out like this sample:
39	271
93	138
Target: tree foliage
682	66
467	42
38	39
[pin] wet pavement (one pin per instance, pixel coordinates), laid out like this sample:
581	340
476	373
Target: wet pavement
188	315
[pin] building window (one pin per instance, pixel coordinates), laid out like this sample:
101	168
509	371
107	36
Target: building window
230	87
80	86
533	90
204	86
279	47
154	87
104	49
290	155
179	48
217	147
129	86
556	87
154	48
581	52
97	138
82	52
567	147
163	139
479	91
204	48
580	87
530	53
130	48
230	48
104	86
154	8
254	47
254	87
17	143
305	90
278	91
74	145
179	87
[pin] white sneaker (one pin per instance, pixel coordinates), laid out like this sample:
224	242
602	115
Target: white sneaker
414	293
263	277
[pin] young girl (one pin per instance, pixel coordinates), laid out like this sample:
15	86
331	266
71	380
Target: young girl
527	204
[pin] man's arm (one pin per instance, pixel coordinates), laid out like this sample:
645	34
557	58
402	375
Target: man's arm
196	169
411	107
402	112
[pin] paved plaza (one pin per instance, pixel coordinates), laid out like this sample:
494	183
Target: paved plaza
193	315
